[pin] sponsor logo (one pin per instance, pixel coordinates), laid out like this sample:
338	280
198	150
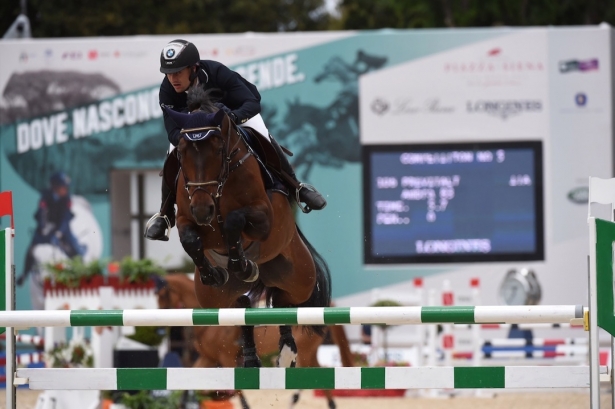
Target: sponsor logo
170	53
407	106
579	195
580	99
578	65
504	109
379	106
493	60
210	52
72	55
92	55
242	50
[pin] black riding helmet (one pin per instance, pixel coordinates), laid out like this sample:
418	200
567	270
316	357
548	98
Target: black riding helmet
177	55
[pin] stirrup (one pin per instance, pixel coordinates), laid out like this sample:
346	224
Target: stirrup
151	220
304	209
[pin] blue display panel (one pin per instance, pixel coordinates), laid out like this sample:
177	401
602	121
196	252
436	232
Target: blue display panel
461	202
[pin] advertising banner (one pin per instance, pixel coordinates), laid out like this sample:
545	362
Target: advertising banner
74	111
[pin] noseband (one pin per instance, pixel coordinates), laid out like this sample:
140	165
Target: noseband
225	171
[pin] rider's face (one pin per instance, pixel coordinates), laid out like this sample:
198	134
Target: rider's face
181	79
61	191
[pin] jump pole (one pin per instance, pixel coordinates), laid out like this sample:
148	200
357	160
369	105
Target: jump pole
602	237
295	316
7	293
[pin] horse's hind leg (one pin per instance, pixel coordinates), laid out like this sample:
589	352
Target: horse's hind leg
288	348
250	359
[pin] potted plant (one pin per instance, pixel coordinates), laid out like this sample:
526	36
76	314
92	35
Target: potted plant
384	327
75	273
75	354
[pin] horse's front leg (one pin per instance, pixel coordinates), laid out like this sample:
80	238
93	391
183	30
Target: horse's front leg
288	348
254	222
193	245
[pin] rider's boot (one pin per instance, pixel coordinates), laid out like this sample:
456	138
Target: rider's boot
304	193
160	224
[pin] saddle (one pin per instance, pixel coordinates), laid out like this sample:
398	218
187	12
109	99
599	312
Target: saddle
264	153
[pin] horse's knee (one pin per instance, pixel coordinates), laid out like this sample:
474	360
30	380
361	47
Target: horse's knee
235	222
191	242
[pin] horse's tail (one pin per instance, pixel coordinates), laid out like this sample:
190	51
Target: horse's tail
321	296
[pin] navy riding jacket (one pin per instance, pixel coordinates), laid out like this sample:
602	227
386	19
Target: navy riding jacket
240	96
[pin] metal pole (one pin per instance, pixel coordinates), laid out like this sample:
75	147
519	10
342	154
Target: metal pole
594	354
9	271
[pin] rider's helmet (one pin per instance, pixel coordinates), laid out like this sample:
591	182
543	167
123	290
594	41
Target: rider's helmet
177	55
59	179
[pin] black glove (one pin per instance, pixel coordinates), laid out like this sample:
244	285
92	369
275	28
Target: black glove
226	109
223	107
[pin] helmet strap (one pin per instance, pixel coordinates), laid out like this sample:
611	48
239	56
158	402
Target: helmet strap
194	72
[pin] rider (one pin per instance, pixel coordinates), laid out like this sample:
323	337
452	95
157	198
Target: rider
183	69
53	217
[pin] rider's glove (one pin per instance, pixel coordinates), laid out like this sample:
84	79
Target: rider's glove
226	109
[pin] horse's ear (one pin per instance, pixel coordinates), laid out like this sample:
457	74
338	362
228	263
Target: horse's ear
219	117
178	117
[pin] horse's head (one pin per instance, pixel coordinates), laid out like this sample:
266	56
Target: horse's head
202	152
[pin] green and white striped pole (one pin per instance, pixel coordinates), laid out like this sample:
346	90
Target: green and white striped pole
297	316
507	377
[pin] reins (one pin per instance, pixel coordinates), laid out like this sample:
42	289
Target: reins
225	171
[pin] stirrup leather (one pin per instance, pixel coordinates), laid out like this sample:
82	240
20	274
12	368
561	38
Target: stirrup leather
166	219
304	209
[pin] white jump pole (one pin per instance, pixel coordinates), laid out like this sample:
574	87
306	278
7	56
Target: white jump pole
8	269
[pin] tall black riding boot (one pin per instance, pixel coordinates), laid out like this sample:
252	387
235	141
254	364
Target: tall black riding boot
159	226
304	193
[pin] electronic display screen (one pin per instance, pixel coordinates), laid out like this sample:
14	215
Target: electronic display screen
457	202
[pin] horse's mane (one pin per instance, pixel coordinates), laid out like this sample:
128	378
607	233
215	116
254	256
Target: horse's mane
200	99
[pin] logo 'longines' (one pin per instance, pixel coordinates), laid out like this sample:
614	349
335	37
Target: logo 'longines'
504	108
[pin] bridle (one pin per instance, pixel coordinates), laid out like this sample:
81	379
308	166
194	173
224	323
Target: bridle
226	169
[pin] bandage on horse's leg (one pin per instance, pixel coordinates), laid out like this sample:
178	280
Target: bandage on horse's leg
250	359
256	222
209	275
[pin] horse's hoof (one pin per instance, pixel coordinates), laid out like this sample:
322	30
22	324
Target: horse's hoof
251	272
252	361
216	278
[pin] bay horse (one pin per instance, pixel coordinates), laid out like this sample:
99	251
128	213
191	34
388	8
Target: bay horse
220	346
242	238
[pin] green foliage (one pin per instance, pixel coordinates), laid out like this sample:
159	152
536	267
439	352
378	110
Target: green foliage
76	354
75	18
139	271
70	272
365	14
147	335
144	400
385	303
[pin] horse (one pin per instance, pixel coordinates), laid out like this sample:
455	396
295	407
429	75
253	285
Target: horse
242	238
220	346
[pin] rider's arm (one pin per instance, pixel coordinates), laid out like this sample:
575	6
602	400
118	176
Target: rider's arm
241	96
